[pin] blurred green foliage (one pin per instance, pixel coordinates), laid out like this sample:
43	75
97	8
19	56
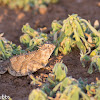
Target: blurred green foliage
26	4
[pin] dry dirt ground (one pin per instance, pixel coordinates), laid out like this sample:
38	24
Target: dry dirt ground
11	22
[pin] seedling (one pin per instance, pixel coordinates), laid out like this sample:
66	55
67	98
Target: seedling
8	49
75	31
61	87
32	38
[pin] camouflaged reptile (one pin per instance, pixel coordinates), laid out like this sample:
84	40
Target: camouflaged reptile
24	64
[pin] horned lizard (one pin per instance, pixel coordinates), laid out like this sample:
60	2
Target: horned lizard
23	64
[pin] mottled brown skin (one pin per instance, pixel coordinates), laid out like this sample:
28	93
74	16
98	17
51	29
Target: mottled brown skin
28	63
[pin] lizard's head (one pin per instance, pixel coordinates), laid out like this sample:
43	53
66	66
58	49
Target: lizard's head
48	46
47	49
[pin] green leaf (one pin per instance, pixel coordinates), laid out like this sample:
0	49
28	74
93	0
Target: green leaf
37	94
2	49
79	43
75	95
90	70
91	28
79	29
98	63
56	26
25	39
60	71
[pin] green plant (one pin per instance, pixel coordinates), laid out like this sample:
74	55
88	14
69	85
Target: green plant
75	31
26	4
66	88
37	94
93	89
60	71
62	88
8	49
17	4
32	38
